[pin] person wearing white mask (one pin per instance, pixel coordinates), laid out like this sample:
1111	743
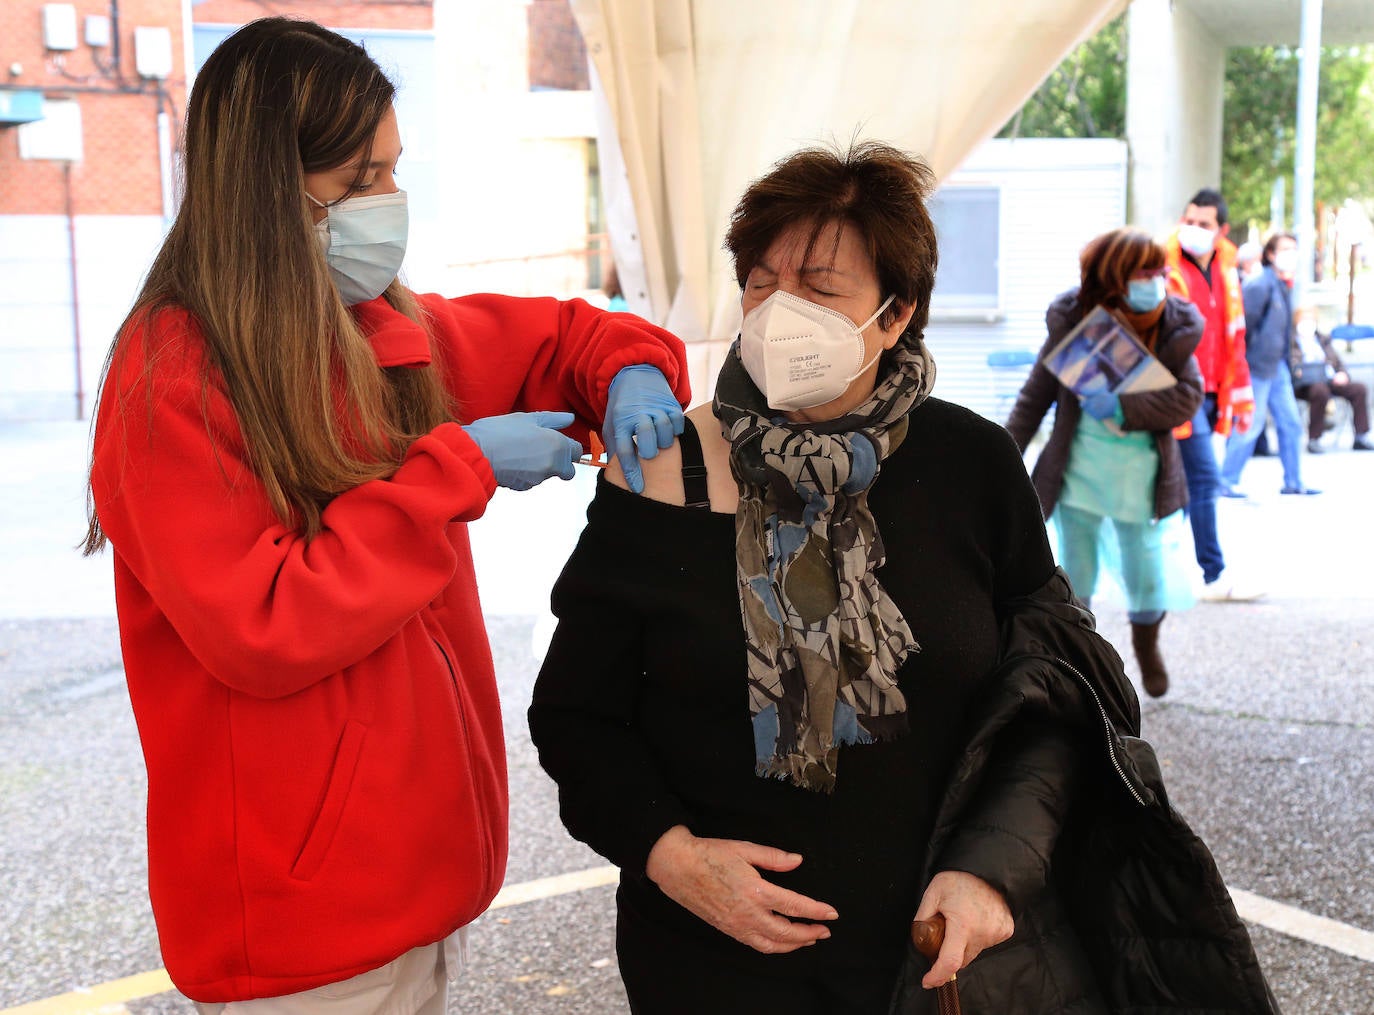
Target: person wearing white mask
289	446
1318	375
1203	263
1268	348
799	724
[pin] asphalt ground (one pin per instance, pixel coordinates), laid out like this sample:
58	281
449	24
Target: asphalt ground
1265	739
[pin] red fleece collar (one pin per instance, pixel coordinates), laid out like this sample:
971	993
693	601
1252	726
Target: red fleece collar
396	340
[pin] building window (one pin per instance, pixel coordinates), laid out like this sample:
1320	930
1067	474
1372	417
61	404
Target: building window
968	222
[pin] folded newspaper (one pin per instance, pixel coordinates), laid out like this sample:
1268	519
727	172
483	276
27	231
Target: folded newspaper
1103	354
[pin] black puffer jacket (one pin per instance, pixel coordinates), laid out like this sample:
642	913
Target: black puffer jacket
1119	906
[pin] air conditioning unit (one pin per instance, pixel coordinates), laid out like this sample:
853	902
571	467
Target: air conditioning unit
56	136
153	52
97	31
59	26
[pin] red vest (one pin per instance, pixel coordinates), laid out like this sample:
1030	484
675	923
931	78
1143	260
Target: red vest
1210	301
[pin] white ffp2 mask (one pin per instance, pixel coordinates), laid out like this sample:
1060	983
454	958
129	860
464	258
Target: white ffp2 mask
801	354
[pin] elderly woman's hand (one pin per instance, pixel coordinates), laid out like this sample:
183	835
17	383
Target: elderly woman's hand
717	880
976	917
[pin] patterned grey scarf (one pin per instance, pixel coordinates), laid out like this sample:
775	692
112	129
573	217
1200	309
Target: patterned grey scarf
824	639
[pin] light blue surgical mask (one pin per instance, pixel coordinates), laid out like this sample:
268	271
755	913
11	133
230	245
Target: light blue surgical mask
364	241
1144	294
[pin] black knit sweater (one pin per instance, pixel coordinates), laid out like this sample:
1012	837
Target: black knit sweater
641	714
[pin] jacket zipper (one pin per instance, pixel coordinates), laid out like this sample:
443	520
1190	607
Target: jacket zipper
467	742
1107	725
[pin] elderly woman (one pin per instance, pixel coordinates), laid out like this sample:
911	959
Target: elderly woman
792	733
1113	458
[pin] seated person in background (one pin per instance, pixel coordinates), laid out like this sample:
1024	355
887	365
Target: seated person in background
746	725
1318	373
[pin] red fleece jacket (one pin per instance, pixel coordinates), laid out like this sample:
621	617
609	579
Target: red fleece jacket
319	719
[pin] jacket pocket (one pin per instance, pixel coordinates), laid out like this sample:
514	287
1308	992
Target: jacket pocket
326	823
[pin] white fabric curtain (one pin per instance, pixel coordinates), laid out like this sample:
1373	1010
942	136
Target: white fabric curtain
704	95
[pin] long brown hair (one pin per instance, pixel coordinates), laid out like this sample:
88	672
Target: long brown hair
1109	261
277	99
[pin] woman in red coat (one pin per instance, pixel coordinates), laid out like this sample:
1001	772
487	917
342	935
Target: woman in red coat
288	446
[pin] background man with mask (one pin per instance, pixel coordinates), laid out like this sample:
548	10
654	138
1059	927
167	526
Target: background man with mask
1269	344
1203	271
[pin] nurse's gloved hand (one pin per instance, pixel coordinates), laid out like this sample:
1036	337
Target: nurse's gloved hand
525	448
642	415
1101	404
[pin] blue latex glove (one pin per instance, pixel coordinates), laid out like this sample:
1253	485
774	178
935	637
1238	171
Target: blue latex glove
525	448
642	415
1101	404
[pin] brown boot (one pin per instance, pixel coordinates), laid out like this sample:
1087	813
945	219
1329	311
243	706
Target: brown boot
1145	641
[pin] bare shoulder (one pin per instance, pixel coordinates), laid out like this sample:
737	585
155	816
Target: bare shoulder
662	475
715	453
663	472
714	447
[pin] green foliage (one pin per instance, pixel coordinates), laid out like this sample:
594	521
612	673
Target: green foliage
1261	125
1085	96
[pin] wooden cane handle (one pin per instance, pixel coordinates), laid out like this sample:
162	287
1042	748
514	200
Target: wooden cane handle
928	936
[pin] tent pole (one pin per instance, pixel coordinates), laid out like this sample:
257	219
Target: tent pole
1305	158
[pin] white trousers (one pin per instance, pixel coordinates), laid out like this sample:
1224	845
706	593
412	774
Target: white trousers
414	984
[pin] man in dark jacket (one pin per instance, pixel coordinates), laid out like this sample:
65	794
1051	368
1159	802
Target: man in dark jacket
1268	346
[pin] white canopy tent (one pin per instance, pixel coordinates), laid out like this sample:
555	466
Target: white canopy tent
701	96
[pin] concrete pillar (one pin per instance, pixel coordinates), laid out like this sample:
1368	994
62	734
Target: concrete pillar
1149	100
1175	71
1305	156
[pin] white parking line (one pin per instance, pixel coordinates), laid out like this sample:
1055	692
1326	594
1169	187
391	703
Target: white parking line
110	998
547	888
1298	923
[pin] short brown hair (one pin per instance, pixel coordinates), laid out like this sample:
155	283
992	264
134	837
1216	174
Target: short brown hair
878	189
1109	261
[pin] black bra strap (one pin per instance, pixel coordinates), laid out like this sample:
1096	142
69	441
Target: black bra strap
693	468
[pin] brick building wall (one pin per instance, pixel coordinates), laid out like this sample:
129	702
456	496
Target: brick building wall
480	142
119	170
558	56
383	14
